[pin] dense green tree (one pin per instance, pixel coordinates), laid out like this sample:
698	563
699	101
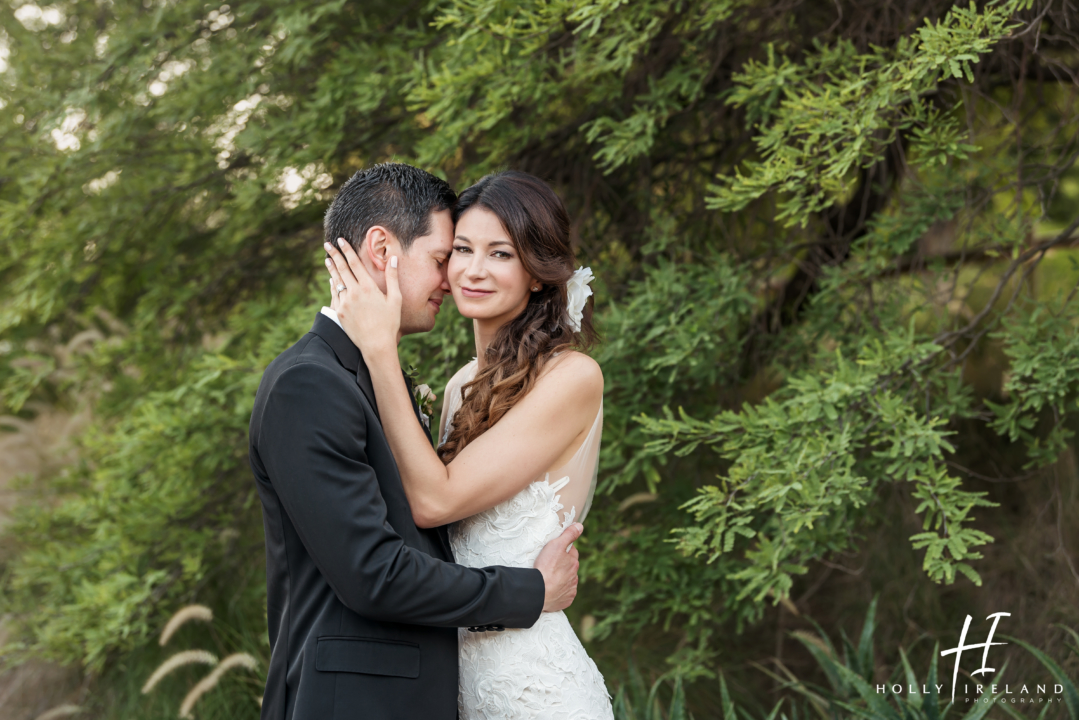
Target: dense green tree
808	220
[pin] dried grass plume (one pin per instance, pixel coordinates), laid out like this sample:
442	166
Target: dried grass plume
183	615
210	681
187	657
60	711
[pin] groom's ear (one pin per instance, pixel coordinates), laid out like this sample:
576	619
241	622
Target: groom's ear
377	244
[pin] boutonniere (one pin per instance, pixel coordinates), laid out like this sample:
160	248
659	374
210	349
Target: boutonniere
425	399
413	375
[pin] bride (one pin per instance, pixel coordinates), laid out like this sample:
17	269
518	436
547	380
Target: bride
520	429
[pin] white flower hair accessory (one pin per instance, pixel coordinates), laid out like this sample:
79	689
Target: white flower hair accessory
577	293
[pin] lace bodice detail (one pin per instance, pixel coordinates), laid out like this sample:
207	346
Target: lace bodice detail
542	672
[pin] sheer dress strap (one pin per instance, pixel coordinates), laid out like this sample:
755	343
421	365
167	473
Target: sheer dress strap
582	470
557	484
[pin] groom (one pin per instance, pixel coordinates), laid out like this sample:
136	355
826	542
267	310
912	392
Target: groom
362	606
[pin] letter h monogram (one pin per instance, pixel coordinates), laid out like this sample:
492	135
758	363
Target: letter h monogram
985	654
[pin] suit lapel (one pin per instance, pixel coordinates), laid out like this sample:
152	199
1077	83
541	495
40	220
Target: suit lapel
363	379
347	354
441	531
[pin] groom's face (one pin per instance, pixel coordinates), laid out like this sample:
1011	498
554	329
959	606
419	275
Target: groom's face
421	273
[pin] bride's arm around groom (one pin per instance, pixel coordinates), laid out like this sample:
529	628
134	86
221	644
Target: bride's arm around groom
362	605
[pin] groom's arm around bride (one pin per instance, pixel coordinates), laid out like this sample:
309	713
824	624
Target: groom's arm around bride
362	605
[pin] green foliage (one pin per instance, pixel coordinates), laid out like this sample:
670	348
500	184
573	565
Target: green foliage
675	321
1071	694
157	507
568	63
1043	347
636	701
805	224
807	459
118	693
840	110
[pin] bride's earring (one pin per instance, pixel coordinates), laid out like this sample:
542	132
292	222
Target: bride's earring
535	288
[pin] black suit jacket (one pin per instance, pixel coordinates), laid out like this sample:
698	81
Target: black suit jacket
362	605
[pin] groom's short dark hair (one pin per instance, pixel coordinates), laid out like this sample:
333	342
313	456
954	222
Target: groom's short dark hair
396	196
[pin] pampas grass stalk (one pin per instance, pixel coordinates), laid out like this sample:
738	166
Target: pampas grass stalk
187	657
59	711
210	681
183	615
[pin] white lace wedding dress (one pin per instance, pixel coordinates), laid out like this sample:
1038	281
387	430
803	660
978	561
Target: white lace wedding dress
541	672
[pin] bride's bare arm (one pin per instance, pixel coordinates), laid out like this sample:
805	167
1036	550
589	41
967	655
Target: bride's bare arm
502	461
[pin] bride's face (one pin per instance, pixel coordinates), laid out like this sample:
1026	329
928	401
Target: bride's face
487	278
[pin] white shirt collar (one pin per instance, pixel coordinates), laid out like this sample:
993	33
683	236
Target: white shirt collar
332	315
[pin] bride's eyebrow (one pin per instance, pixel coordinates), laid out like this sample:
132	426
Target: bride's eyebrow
493	243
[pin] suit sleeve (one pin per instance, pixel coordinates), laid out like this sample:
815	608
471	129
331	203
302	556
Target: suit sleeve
312	443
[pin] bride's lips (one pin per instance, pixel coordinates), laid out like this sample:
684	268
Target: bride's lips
471	293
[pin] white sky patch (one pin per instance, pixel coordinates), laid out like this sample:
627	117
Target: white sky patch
97	185
35	18
5	52
291	181
293	185
101	44
230	125
52	15
175	68
171	69
220	18
64	136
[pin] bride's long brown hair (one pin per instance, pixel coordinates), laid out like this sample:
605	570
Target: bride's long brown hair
538	225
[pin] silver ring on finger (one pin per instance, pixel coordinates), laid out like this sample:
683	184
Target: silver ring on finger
340	288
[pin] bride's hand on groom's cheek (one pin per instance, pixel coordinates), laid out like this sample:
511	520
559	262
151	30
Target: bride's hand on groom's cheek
371	317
